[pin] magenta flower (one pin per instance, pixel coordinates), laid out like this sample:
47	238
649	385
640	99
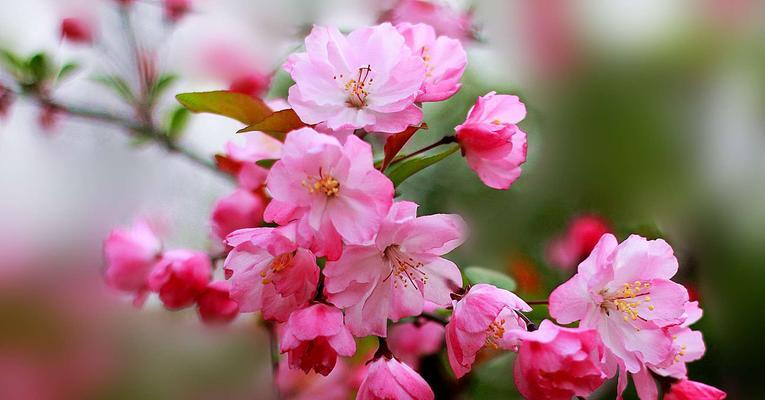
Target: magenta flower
691	390
180	277
240	209
215	306
556	363
412	340
493	144
485	317
445	60
269	272
333	191
314	336
130	255
388	378
571	248
392	276
367	80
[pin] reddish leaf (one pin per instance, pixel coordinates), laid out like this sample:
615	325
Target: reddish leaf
277	124
396	142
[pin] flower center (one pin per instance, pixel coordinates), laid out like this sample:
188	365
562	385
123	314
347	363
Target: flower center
679	353
357	88
629	298
325	183
404	269
278	264
494	333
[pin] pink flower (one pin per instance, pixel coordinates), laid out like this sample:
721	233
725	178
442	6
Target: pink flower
368	80
215	306
559	363
258	146
180	277
314	336
252	84
77	30
624	291
269	273
491	141
687	345
412	340
333	191
176	9
576	244
388	378
445	60
485	317
130	255
241	209
298	385
445	19
392	276
690	390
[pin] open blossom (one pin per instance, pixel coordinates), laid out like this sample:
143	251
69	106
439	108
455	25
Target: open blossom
269	272
368	80
445	60
313	338
215	306
687	344
258	146
559	363
130	255
240	209
333	191
493	144
577	242
394	275
690	390
412	340
445	19
180	277
388	378
486	316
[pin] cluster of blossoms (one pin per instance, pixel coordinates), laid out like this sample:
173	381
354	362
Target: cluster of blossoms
317	243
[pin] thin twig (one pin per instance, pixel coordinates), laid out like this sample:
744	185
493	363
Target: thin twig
444	140
434	318
538	302
274	350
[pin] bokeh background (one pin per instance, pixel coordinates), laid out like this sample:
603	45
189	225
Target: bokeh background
648	114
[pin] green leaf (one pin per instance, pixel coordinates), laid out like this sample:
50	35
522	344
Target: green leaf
13	62
66	70
240	107
117	84
484	275
40	67
162	84
178	121
399	172
277	124
267	163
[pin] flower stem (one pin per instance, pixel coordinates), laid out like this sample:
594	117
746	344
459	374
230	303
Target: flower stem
444	140
538	302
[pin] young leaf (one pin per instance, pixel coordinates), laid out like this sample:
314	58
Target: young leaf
66	70
267	163
117	84
245	109
40	67
162	84
179	118
394	143
484	275
277	124
404	169
13	63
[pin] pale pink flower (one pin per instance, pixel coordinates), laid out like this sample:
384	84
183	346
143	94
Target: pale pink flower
313	338
493	144
368	79
269	272
240	209
687	344
559	363
412	340
582	234
394	275
388	378
445	61
691	390
333	191
258	146
446	20
485	316
215	306
130	254
180	277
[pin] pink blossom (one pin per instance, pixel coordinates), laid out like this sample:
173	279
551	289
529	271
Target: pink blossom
493	144
392	276
180	277
445	60
412	340
241	209
269	272
258	146
485	317
368	80
690	390
559	363
575	245
446	20
314	336
215	306
298	385
252	84
388	378
130	254
333	191
77	30
687	344
176	9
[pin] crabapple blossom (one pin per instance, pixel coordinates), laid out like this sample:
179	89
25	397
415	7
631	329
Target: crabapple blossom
577	242
180	277
314	336
485	316
215	306
240	209
393	276
130	254
269	272
559	363
388	378
332	191
445	60
493	144
444	19
368	79
412	340
258	146
687	344
690	390
77	30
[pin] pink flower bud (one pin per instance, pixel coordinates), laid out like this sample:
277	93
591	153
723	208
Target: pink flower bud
176	9
689	390
388	378
214	304
576	244
77	30
241	209
180	277
130	255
